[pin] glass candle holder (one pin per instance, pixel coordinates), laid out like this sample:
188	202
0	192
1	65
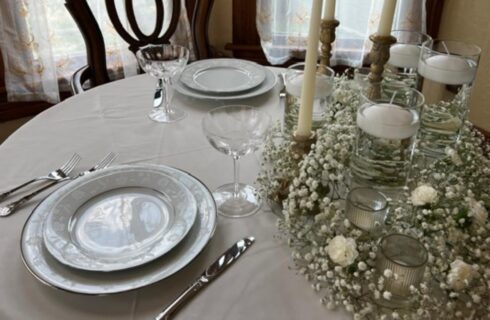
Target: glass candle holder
447	70
404	57
366	208
405	258
293	81
386	130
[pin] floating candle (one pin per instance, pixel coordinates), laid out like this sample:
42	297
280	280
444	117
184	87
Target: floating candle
388	121
448	69
404	56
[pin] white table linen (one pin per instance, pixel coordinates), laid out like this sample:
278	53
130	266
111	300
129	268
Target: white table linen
114	117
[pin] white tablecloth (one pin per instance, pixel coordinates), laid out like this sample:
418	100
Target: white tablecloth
113	117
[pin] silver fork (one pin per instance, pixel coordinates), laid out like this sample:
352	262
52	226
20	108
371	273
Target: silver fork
55	175
11	207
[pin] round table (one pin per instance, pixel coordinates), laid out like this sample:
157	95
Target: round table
113	117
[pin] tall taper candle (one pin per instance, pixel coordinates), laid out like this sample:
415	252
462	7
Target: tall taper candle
308	91
386	20
328	10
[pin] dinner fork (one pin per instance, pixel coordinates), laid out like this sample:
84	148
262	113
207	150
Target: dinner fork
54	175
11	207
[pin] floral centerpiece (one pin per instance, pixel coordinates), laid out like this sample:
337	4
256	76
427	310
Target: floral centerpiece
444	208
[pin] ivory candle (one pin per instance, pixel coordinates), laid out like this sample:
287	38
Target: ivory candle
305	116
329	10
387	15
404	56
388	121
448	69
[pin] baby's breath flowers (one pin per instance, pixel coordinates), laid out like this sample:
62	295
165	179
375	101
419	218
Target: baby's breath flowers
445	208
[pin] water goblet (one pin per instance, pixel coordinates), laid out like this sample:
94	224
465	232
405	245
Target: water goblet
164	62
236	131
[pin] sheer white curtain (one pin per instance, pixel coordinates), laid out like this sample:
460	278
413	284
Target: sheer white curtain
42	46
283	27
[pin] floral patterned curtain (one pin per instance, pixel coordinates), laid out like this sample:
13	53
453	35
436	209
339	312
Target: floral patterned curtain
42	46
283	27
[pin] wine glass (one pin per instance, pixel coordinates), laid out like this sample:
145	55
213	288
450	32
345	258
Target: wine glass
236	131
164	62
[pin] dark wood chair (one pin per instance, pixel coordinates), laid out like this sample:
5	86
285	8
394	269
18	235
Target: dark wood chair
95	72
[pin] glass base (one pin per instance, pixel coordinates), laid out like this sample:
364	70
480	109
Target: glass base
246	204
159	115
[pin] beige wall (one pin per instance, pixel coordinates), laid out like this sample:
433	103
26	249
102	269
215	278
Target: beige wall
220	25
468	20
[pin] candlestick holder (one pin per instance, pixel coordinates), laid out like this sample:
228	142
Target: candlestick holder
379	55
327	37
301	145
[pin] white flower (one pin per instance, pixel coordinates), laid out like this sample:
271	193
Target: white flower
423	195
342	251
460	275
478	211
455	158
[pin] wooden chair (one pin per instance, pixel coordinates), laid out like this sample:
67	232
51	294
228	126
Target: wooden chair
96	69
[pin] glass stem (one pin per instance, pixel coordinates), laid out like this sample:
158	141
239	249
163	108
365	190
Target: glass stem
235	177
165	92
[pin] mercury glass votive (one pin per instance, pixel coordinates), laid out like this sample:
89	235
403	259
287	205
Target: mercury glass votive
366	208
401	259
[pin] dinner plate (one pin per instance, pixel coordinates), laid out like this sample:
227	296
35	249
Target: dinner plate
118	218
269	83
222	76
51	272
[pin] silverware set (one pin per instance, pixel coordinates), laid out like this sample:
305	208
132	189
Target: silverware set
56	176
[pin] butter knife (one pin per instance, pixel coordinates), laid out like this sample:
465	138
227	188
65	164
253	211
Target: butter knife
211	273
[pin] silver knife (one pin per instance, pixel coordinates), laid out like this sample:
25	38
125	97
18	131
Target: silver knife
211	273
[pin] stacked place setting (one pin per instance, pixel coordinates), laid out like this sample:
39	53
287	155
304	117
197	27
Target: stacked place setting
118	229
225	79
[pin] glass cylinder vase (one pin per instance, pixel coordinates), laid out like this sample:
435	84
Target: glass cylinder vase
447	70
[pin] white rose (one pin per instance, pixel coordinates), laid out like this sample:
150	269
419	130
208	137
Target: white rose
342	251
460	275
478	211
423	195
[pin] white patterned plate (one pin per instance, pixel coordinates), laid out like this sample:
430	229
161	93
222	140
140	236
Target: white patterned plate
222	76
269	83
51	272
118	218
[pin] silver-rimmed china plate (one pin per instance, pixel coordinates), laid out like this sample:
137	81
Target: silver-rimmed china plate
222	76
117	218
268	84
52	273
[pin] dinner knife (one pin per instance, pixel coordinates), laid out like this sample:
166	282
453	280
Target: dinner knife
211	273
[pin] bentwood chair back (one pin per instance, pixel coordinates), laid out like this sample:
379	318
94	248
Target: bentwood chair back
96	72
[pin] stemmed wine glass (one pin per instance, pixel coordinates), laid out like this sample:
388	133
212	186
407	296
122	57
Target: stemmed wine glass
236	131
164	62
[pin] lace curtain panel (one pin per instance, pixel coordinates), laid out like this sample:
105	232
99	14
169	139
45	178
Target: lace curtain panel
283	27
42	46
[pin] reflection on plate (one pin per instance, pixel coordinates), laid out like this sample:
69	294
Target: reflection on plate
220	76
269	83
98	223
49	271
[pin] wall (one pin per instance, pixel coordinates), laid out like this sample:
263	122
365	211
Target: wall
468	20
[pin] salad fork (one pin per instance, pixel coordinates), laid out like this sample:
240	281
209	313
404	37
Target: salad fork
55	175
11	207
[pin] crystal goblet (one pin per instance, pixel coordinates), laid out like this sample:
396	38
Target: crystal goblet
236	131
164	62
